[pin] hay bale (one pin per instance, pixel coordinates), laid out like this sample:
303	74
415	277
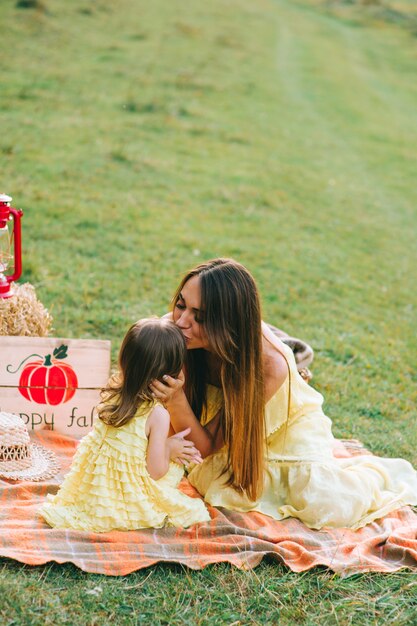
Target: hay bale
23	314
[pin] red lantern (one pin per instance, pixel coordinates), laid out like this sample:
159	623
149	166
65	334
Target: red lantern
10	245
47	381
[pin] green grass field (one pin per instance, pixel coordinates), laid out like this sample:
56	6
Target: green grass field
143	137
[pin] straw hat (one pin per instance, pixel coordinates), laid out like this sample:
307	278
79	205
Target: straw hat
19	458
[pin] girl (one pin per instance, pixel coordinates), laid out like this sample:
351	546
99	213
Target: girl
267	444
122	476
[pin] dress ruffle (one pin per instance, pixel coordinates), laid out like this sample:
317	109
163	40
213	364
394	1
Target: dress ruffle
109	488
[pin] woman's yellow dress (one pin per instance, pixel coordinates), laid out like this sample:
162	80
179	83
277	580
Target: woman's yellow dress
109	488
302	477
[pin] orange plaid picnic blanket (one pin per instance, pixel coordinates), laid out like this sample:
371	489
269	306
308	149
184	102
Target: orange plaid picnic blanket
386	545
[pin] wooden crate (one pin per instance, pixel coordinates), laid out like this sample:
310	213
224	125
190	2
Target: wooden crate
53	383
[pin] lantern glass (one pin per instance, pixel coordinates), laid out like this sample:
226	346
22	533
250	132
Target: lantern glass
6	255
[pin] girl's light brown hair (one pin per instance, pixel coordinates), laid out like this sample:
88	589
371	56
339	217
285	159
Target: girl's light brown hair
232	324
151	348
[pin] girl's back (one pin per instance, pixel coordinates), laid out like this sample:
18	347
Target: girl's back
109	486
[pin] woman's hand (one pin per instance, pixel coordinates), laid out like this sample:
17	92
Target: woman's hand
183	451
169	390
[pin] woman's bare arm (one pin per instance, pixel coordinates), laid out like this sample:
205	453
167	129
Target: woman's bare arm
171	393
275	374
275	365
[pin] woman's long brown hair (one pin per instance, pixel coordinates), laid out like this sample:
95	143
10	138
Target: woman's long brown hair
232	324
152	347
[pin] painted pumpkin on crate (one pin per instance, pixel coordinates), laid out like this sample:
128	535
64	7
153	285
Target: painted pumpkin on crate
48	380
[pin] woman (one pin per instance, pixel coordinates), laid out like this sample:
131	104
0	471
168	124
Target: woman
266	443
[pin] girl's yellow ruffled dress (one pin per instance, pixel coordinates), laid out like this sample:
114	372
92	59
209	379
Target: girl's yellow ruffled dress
109	488
303	479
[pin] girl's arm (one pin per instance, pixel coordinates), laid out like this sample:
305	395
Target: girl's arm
157	453
163	449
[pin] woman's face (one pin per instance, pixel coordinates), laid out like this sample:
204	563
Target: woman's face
188	315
